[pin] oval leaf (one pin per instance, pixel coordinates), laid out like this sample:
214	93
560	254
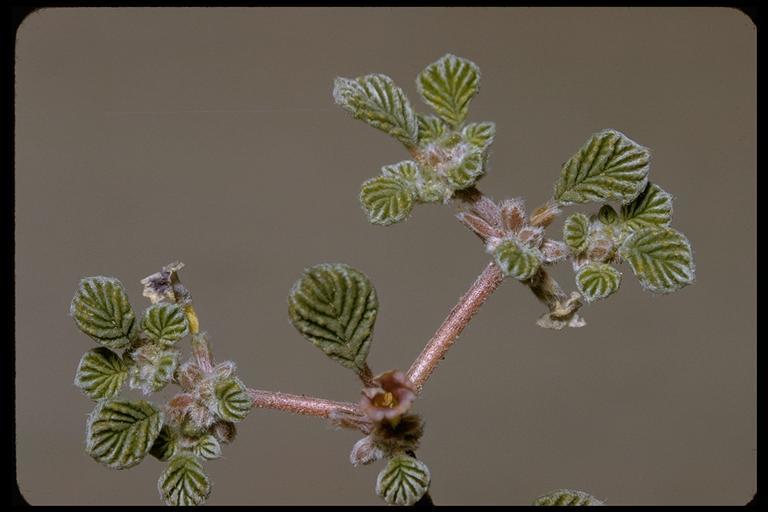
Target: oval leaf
448	85
102	311
101	373
376	100
576	233
207	447
661	258
565	497
517	260
597	281
120	433
165	323
334	306
610	166
431	128
652	208
386	200
404	481
480	134
184	483
166	445
233	401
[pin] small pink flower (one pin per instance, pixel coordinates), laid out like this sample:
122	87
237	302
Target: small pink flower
391	398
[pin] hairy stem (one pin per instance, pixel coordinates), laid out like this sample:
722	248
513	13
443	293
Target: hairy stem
309	406
452	326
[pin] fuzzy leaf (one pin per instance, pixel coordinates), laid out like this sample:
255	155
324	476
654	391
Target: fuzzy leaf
101	373
466	173
102	311
166	445
448	86
154	368
120	433
404	481
334	306
610	166
652	208
184	483
233	400
406	172
386	200
207	447
379	102
607	215
165	323
597	281
517	260
480	134
661	258
567	497
431	128
576	232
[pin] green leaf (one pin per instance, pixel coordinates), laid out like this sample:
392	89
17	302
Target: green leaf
165	323
517	260
652	208
564	497
610	166
166	445
404	481
661	258
207	447
233	403
406	172
102	311
597	281
334	306
376	100
153	369
184	483
448	86
466	173
480	134
101	373
120	432
431	128
386	200
576	233
607	215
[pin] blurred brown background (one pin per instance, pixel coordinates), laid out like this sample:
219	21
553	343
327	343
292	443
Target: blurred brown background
210	136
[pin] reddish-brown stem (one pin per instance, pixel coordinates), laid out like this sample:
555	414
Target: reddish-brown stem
308	406
452	326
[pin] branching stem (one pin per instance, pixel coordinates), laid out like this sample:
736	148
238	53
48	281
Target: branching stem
457	320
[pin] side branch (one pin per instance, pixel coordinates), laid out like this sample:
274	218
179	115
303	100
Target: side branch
310	406
452	326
